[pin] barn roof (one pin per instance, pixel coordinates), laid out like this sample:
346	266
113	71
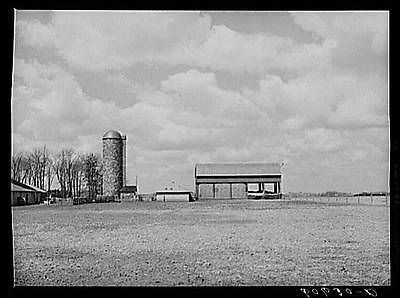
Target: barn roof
37	189
19	186
15	187
219	169
128	189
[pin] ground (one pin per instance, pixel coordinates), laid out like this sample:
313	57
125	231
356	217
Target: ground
208	243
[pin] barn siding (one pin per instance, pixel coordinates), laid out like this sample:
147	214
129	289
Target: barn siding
222	191
239	191
205	191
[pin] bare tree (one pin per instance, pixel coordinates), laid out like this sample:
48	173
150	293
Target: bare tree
50	173
17	166
39	167
59	166
26	168
93	176
77	173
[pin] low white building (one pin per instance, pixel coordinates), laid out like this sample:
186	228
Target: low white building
174	196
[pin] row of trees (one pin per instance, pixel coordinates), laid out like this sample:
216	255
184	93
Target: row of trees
77	174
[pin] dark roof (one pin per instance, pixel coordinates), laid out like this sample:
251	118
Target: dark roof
112	134
19	186
129	189
226	169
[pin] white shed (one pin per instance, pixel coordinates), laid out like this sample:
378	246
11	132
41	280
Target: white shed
174	196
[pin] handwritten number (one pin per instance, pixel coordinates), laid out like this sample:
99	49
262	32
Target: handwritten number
348	291
305	291
371	292
325	291
340	293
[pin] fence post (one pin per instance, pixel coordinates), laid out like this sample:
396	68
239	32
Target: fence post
347	200
358	200
371	198
386	199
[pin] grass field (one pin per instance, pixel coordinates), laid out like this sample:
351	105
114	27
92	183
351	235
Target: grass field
203	243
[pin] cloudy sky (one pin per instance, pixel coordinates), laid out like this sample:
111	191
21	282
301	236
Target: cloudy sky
307	89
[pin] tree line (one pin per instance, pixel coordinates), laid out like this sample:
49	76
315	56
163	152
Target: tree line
78	174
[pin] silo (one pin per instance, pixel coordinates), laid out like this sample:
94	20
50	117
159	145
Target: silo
112	163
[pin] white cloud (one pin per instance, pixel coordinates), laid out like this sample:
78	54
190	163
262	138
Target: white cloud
361	37
316	99
114	40
305	108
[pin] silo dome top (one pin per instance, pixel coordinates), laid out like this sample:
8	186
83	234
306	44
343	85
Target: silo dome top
112	134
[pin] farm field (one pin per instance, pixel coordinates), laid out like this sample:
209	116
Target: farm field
202	243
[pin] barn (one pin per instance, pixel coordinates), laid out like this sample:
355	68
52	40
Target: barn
174	196
237	180
24	194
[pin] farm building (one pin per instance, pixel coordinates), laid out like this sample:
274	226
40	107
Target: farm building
238	180
128	193
24	194
174	196
113	161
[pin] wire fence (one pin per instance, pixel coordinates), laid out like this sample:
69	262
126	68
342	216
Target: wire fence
359	200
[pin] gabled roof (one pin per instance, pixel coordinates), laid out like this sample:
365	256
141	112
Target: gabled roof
128	189
19	186
37	189
235	169
15	187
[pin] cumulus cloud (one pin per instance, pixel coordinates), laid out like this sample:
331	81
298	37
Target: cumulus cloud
98	41
304	108
361	37
334	100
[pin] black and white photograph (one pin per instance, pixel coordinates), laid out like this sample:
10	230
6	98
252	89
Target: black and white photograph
183	148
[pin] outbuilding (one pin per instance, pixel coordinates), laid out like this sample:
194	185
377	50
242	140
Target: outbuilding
174	196
128	193
24	194
237	180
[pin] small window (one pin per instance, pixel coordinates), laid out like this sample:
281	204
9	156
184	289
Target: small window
252	187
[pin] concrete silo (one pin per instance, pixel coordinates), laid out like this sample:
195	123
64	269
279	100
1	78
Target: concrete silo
113	175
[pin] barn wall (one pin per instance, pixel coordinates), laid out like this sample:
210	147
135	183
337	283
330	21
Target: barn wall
239	191
30	198
205	191
14	197
128	197
222	191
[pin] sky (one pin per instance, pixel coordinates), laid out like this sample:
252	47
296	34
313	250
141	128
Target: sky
307	89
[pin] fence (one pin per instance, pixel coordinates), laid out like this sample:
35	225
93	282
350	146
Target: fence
359	200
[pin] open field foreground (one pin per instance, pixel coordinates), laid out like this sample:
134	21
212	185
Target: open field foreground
203	243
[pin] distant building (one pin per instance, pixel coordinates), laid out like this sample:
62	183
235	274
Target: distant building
129	193
174	196
237	180
24	194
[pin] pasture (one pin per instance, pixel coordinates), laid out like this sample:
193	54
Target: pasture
202	243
